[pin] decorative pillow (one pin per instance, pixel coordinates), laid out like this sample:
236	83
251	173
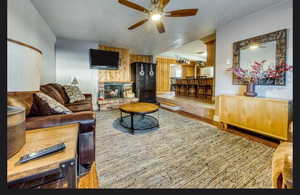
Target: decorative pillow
74	93
51	91
49	106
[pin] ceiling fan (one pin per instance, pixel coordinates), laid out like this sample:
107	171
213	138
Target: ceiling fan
156	12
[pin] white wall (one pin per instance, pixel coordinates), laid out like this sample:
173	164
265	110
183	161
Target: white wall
72	60
25	24
271	19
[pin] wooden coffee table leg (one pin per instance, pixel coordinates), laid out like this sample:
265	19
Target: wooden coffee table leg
132	126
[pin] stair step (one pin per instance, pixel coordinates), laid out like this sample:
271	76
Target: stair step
168	103
170	106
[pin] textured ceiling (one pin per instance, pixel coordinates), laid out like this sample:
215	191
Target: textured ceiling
106	21
189	51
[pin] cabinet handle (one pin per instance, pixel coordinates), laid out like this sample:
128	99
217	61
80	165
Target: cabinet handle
142	73
151	73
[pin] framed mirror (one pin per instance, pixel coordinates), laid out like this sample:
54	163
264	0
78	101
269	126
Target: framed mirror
271	47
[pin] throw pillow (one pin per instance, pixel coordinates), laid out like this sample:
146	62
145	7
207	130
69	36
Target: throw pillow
49	106
74	93
51	91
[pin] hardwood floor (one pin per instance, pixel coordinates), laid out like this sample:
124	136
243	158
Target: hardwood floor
90	180
190	104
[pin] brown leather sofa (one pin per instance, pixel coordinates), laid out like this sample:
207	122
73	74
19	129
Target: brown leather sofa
82	114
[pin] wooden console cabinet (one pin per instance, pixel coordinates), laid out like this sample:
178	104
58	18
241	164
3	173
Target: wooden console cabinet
266	116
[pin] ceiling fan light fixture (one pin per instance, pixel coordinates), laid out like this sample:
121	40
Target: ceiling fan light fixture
156	17
254	46
156	12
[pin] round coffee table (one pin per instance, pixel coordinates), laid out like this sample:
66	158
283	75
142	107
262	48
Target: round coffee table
141	109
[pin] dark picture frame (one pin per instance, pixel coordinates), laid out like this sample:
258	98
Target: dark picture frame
281	51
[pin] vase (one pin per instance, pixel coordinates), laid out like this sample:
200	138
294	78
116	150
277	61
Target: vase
250	90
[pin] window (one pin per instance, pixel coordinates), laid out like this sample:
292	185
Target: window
176	71
207	71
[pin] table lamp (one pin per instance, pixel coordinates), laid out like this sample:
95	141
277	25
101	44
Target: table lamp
75	82
23	75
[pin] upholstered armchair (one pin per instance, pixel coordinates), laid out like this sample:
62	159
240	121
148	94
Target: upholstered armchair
282	163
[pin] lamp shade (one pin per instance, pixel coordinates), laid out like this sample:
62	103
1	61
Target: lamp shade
23	67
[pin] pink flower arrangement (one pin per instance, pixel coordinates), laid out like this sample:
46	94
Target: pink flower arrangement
256	72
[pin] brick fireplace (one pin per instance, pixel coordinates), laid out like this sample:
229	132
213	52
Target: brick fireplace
113	94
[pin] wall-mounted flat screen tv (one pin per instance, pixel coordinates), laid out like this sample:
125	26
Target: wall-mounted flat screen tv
104	60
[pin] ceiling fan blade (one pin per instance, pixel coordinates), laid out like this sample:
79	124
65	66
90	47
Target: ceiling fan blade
163	3
160	26
182	13
138	24
133	6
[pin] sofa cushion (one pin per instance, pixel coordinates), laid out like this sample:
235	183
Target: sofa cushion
74	93
51	91
282	166
62	92
48	106
80	106
86	120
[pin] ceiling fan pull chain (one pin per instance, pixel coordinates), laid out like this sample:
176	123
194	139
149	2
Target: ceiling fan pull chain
151	73
142	73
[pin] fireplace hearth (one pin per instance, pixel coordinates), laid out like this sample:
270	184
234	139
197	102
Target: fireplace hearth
113	94
113	90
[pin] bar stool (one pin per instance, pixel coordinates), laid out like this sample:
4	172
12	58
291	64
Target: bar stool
177	87
184	87
201	88
209	89
191	88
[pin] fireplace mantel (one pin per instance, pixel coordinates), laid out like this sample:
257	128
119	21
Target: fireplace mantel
116	82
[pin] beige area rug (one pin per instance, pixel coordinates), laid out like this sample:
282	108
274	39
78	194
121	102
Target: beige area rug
183	153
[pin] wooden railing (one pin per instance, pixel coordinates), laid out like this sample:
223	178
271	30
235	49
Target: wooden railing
200	88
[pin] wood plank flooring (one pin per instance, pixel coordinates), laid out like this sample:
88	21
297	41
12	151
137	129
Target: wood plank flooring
90	180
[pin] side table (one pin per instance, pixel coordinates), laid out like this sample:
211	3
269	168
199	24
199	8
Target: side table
57	170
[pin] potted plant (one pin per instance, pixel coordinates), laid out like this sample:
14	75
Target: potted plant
257	72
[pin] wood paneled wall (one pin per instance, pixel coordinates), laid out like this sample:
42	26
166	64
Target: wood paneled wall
211	53
163	73
121	75
140	58
189	70
124	72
